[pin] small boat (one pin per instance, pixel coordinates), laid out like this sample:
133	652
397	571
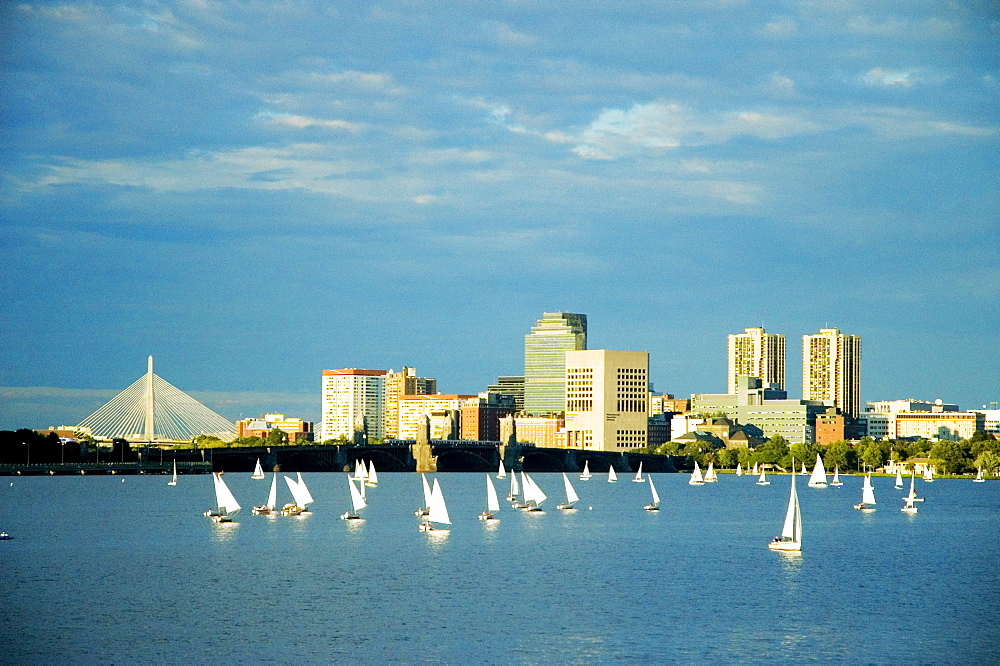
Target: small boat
979	476
272	500
492	502
696	478
739	469
585	475
360	471
4	536
804	472
867	496
612	477
836	477
438	512
762	481
755	470
790	540
173	480
571	497
227	506
710	475
371	478
357	501
533	495
818	477
899	479
928	474
909	502
501	473
514	489
301	495
655	504
638	475
425	509
258	471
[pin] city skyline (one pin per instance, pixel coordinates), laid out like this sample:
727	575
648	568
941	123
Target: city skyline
255	192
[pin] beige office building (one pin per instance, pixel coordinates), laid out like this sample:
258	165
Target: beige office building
606	399
398	384
755	353
831	370
443	410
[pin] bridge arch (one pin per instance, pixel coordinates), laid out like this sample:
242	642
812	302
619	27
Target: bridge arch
463	460
538	461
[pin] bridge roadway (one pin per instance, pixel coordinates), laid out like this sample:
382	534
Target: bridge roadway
439	456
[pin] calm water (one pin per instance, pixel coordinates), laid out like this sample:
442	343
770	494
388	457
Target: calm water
113	571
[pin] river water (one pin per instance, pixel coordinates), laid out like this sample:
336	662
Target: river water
126	569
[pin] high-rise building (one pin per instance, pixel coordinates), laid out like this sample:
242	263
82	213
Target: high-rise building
755	353
398	384
353	401
831	370
509	386
606	399
545	360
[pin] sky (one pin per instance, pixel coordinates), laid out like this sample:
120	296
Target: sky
252	192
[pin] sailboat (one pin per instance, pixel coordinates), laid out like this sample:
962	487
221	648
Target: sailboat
425	509
836	477
272	500
804	472
899	479
227	506
696	478
585	475
612	477
979	476
655	504
303	498
360	471
371	478
710	476
867	496
739	469
258	471
790	540
357	501
533	495
173	480
524	492
438	512
638	475
818	477
762	481
909	502
571	497
492	502
928	473
755	470
501	473
514	490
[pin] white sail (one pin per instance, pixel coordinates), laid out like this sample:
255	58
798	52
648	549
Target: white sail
656	496
571	495
356	499
638	475
532	493
792	529
818	477
696	478
979	476
899	478
272	497
804	472
867	491
300	495
501	473
438	511
585	476
514	489
258	471
223	497
492	501
928	473
836	477
762	481
612	477
305	491
372	479
427	491
361	472
739	469
173	480
755	470
710	476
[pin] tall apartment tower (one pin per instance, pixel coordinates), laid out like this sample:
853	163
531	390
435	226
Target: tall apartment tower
397	385
353	400
607	395
545	360
755	353
831	369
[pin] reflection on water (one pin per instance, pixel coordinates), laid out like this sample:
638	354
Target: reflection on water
224	532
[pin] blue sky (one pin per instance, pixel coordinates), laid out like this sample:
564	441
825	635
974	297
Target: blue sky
253	192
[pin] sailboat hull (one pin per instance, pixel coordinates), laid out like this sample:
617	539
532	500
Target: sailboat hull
786	546
487	515
651	507
565	506
864	507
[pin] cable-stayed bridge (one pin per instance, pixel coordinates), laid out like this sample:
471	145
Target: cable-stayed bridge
152	410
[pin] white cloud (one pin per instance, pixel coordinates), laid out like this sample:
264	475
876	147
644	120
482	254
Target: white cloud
885	77
302	122
505	34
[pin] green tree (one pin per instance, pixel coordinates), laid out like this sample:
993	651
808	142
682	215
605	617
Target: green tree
774	450
837	455
728	457
277	437
803	452
989	462
951	457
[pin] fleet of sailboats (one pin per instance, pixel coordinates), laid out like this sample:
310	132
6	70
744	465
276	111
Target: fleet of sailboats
867	495
571	497
818	477
790	540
